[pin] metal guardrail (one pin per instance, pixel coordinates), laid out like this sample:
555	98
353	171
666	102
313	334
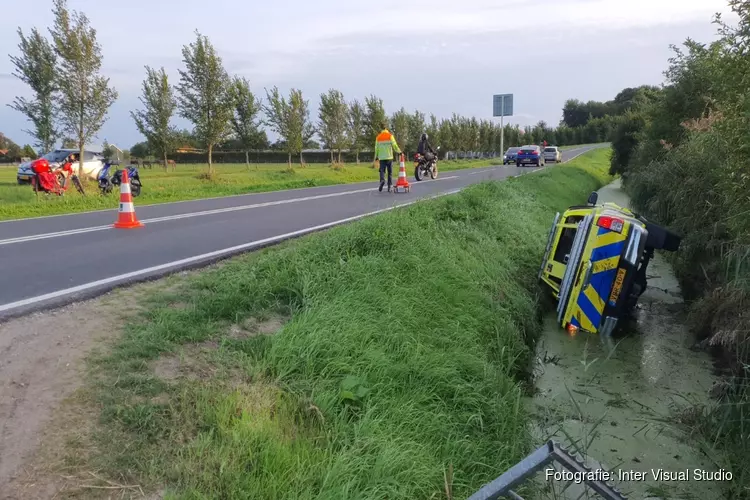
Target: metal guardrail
502	487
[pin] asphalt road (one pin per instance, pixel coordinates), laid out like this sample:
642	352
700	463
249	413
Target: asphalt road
51	261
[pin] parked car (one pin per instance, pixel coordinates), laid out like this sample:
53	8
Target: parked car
530	155
553	154
93	163
510	156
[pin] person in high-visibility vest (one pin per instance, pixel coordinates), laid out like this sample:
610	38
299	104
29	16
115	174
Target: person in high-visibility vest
385	145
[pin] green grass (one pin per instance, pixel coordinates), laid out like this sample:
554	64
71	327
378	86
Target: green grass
183	184
398	368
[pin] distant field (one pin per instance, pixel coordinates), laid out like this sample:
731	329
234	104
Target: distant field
183	184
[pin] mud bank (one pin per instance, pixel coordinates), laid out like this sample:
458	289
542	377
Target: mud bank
620	400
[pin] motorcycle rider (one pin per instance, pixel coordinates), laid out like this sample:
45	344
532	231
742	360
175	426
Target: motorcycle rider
424	148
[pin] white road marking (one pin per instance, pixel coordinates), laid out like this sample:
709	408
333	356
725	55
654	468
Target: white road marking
194	200
44	236
579	154
198	258
218	253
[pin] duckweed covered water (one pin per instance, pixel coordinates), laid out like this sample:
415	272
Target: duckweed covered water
624	401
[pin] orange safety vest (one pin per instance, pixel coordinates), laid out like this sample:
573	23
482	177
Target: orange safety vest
385	145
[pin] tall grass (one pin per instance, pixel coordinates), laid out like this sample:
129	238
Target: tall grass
395	375
693	189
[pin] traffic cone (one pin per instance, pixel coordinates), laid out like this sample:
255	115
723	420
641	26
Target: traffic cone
402	182
126	218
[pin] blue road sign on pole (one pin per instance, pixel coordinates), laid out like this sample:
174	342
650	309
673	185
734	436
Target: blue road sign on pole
502	105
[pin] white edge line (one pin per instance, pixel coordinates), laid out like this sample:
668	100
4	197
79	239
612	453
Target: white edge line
209	255
44	236
213	198
36	237
197	258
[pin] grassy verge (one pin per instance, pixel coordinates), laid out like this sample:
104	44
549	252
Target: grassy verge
382	359
184	184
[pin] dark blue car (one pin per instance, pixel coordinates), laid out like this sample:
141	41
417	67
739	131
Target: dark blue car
510	156
530	155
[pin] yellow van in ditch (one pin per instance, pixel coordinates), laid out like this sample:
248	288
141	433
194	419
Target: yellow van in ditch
595	263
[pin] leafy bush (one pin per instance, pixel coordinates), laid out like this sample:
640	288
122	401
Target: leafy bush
625	141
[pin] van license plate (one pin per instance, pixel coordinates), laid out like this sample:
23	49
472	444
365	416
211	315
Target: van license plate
617	288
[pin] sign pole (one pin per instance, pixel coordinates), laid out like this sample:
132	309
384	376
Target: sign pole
502	128
499	108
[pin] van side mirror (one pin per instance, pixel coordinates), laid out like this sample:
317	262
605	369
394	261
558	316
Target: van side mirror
593	198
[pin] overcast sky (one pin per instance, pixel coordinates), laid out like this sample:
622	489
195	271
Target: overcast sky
438	56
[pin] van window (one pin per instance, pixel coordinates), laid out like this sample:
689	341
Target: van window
564	244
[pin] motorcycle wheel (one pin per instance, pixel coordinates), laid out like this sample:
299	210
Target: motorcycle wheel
135	188
418	173
434	172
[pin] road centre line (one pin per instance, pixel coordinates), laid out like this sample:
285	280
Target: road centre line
197	258
587	148
24	239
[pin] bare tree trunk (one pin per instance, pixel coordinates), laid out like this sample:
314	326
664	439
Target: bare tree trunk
357	156
301	160
339	156
247	158
210	158
81	148
166	163
332	159
289	161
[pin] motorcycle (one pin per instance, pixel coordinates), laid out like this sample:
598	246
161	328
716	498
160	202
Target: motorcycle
107	183
53	182
424	164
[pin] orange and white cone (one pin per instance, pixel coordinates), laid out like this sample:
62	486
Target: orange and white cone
402	182
126	218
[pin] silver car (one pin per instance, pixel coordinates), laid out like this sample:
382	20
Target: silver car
92	164
553	154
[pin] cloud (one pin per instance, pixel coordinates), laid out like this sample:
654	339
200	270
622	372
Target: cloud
439	56
471	17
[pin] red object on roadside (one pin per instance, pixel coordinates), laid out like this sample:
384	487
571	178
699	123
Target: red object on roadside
39	166
126	218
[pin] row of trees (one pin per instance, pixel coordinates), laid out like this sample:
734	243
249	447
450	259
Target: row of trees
577	113
71	99
12	152
69	94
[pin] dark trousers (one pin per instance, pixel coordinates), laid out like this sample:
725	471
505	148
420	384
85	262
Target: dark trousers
386	164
